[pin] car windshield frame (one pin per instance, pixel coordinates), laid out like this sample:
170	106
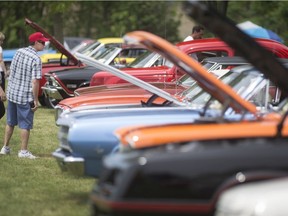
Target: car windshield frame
88	49
150	59
247	84
107	55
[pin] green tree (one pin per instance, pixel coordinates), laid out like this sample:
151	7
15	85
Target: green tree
12	15
94	19
115	18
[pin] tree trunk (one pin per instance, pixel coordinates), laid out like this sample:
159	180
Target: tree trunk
58	27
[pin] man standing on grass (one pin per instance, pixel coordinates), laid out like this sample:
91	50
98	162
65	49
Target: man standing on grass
22	93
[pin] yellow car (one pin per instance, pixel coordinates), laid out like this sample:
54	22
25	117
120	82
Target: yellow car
49	58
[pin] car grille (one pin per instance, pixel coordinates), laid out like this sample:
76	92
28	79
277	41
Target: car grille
109	181
50	82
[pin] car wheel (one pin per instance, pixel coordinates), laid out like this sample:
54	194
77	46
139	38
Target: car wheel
51	102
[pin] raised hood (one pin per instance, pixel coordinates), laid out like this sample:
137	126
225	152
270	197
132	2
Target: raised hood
53	41
129	78
222	92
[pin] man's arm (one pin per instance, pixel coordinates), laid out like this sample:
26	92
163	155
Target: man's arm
35	90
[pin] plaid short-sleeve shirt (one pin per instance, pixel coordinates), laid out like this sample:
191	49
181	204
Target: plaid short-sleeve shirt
26	65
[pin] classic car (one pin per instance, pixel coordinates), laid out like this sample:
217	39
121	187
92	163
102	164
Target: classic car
89	96
186	178
59	88
81	148
181	169
62	83
203	48
262	198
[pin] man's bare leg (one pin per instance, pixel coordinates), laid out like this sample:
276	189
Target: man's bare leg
8	134
24	139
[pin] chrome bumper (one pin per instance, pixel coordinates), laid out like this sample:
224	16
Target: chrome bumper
68	163
58	112
53	92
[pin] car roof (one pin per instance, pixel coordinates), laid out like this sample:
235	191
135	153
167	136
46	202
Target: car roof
217	40
234	59
109	40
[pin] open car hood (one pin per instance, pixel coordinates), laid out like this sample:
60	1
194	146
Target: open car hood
53	41
129	78
222	92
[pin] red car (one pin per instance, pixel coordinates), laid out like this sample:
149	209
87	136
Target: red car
211	47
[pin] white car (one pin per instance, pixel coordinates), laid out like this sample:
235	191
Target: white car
265	198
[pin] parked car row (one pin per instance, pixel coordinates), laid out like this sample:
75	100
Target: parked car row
62	85
138	158
176	136
117	168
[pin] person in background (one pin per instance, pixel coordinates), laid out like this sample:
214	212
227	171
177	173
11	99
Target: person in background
22	93
2	98
4	72
197	33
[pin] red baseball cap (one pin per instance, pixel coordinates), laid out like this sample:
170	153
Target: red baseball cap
37	36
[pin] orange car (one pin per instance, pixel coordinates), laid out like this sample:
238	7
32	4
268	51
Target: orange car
180	169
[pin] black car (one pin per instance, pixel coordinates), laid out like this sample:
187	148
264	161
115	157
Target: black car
184	179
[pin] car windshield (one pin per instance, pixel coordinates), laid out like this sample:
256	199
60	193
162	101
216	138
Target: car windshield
244	84
187	81
107	54
101	50
88	49
149	59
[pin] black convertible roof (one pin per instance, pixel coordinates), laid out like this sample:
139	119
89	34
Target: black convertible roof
234	59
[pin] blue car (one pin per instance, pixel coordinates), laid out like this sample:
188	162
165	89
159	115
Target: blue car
87	135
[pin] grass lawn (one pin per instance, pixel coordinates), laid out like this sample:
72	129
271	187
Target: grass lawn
37	187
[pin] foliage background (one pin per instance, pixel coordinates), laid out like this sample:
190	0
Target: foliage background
96	19
93	19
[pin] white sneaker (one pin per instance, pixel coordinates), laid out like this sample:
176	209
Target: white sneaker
5	150
26	154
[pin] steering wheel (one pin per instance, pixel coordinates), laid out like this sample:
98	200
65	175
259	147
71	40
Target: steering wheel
150	103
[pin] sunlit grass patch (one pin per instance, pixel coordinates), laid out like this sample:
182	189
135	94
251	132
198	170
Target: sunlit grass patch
38	187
